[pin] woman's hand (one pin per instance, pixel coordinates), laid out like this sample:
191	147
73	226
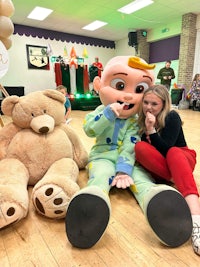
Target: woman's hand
150	121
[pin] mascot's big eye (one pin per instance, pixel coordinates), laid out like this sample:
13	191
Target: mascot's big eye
141	87
118	84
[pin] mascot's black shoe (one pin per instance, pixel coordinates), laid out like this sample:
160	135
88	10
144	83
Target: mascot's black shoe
168	215
87	217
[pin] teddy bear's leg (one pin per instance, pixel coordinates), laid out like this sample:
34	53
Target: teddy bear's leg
13	191
52	193
165	208
89	210
80	154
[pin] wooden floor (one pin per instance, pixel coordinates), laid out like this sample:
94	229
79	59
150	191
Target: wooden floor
128	240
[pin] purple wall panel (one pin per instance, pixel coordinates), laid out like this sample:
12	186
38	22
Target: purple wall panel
163	50
21	29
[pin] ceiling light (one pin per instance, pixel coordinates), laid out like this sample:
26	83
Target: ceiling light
39	13
94	25
134	6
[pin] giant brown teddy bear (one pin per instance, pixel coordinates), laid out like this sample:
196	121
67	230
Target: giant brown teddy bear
37	149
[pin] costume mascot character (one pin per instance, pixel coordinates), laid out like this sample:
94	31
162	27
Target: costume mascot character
38	149
112	162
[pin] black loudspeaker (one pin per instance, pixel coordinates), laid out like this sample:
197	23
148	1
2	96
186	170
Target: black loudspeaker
15	90
132	39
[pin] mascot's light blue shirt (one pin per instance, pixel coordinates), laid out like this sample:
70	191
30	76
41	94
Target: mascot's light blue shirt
115	138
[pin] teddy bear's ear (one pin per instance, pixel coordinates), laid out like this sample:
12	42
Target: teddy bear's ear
56	95
8	104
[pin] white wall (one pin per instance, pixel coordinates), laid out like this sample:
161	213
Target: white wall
33	80
122	48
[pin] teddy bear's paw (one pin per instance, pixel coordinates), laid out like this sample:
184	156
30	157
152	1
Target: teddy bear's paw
10	213
51	201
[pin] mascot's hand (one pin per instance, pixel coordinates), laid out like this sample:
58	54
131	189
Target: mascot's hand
122	180
117	108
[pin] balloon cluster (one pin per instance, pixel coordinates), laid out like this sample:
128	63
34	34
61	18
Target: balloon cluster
6	26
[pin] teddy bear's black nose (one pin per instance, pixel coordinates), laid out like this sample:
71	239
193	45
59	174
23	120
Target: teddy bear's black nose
44	129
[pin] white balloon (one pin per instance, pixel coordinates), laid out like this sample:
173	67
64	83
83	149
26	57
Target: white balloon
4	60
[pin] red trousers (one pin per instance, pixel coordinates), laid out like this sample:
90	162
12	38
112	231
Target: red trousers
177	166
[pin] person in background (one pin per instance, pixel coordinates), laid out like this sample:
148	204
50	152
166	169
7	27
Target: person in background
63	90
98	65
194	93
166	74
164	152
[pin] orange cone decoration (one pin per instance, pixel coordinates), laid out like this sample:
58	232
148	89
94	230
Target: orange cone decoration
73	60
73	53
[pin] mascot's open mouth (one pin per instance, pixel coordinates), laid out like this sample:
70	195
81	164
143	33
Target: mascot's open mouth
126	105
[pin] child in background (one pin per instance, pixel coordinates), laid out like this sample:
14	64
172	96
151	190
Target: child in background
63	90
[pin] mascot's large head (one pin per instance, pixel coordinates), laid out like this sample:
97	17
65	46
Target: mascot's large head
124	80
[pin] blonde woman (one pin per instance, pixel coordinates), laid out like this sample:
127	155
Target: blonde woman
164	152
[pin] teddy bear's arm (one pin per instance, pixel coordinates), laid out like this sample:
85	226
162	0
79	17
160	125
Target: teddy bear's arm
80	154
6	135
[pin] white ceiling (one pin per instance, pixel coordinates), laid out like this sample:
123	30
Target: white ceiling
70	16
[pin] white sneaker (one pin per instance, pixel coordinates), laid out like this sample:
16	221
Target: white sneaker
196	236
68	121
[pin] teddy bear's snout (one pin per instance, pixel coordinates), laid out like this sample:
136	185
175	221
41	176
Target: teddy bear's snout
43	124
44	129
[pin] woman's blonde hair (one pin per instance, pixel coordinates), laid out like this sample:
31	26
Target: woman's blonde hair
162	92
